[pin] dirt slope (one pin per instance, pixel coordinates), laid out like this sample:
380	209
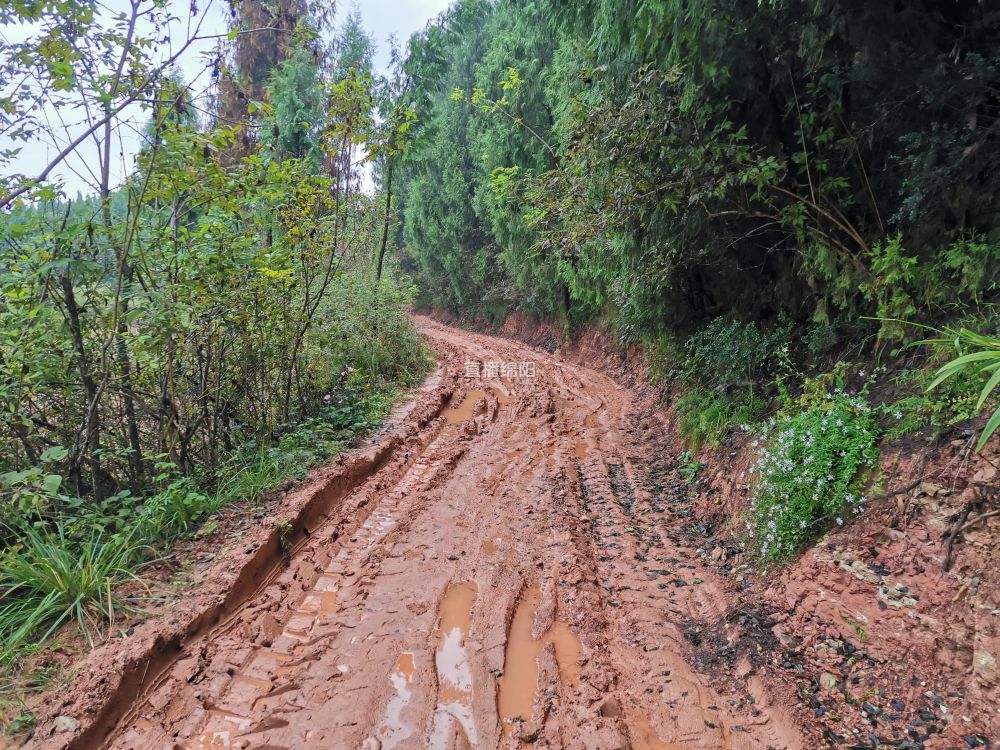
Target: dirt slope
508	576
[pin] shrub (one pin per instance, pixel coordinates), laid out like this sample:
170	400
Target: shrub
174	510
820	338
947	389
948	404
34	491
810	472
662	355
730	352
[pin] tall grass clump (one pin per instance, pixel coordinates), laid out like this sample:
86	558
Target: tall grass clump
978	354
48	580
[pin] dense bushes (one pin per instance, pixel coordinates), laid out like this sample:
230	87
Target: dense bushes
67	558
725	375
817	444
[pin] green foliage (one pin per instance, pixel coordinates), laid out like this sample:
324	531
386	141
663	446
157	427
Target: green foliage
811	471
820	338
729	352
47	579
663	354
707	415
174	510
904	290
296	108
641	163
720	366
949	403
894	274
980	355
353	47
207	325
28	493
688	466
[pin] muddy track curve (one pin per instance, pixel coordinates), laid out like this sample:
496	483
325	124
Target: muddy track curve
505	583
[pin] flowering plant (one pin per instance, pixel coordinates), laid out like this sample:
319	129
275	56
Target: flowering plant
810	472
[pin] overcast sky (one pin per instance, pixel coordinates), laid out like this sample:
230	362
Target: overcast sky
399	17
382	18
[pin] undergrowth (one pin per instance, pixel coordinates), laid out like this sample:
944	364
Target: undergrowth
815	453
49	579
68	556
706	415
811	471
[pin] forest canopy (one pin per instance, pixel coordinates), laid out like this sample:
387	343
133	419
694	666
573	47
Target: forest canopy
658	164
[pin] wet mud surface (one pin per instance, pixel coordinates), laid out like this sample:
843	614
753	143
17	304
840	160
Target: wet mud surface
509	577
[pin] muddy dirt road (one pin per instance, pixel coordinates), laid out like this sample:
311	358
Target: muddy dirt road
506	581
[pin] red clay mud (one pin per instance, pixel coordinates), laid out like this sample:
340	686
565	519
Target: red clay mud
493	573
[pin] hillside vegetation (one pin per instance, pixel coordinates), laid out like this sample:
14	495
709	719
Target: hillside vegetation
659	164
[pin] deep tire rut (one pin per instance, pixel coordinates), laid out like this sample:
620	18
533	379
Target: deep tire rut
507	579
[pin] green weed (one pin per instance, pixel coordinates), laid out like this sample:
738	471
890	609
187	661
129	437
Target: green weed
729	352
706	415
689	466
980	356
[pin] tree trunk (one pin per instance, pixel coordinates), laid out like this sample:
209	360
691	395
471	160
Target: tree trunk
100	479
135	461
385	224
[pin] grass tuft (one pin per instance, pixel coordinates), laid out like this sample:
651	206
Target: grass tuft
48	580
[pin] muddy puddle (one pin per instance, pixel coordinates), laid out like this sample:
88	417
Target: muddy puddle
503	392
519	682
453	714
394	728
319	601
466	409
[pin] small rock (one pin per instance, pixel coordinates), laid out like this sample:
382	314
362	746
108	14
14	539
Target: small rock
611	708
828	681
66	724
869	710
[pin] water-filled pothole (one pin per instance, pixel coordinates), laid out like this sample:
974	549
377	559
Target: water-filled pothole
466	409
454	702
393	728
519	683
